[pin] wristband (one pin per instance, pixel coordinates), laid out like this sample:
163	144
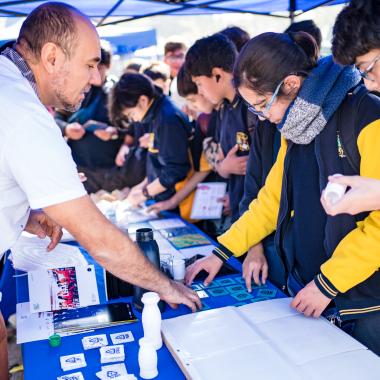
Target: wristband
146	193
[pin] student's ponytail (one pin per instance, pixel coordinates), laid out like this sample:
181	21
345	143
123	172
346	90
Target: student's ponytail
308	45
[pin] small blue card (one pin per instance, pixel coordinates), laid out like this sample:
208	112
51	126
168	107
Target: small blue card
242	296
196	287
225	281
216	292
236	288
205	306
213	284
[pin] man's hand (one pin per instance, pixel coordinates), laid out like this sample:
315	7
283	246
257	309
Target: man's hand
364	195
255	264
210	264
310	301
41	225
180	294
74	131
233	164
110	133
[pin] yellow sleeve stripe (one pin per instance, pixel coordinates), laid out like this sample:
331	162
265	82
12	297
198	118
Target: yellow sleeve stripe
325	286
359	311
221	253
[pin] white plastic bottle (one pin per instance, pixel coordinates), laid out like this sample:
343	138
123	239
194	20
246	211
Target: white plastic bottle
334	191
147	359
151	318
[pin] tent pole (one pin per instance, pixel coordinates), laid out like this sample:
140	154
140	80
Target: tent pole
292	9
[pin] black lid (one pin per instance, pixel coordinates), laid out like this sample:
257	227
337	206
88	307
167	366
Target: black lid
144	234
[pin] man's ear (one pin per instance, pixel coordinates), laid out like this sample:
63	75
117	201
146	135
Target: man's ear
52	57
292	84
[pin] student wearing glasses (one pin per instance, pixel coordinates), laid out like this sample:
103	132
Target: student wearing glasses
356	40
331	262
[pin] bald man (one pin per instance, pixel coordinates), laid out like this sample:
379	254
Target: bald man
54	63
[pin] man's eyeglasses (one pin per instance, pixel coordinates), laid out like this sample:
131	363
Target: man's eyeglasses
364	74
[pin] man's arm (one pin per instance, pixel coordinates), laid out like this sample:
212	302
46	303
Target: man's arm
115	251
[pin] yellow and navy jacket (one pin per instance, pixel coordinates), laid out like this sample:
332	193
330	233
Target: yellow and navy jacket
168	152
350	275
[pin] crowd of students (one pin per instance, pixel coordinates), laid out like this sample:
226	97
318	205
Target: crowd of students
275	121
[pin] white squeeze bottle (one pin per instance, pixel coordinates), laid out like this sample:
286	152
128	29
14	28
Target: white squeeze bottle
147	359
151	318
334	191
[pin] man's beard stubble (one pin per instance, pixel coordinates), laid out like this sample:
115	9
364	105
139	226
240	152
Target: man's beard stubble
59	84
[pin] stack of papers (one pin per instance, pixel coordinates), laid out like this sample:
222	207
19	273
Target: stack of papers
62	288
111	354
30	254
70	362
268	339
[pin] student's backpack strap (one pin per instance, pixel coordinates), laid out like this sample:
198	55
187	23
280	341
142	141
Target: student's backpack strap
347	132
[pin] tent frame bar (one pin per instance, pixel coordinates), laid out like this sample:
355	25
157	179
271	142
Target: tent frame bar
177	7
184	6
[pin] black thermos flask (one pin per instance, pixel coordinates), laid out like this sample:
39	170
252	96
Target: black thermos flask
145	240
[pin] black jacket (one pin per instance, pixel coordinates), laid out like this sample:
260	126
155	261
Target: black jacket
168	154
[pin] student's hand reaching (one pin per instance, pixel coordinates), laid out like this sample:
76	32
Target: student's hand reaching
310	301
74	131
255	266
210	264
163	206
363	195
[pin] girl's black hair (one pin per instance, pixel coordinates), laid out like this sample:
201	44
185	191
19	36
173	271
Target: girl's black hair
126	93
270	57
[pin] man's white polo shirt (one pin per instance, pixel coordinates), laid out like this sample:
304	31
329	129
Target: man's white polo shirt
36	167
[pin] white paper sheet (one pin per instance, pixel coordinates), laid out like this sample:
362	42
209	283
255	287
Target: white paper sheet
266	340
32	327
31	254
207	204
302	339
268	310
64	288
202	334
166	223
354	365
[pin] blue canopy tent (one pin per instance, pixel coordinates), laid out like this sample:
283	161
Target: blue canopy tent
128	10
127	42
130	42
